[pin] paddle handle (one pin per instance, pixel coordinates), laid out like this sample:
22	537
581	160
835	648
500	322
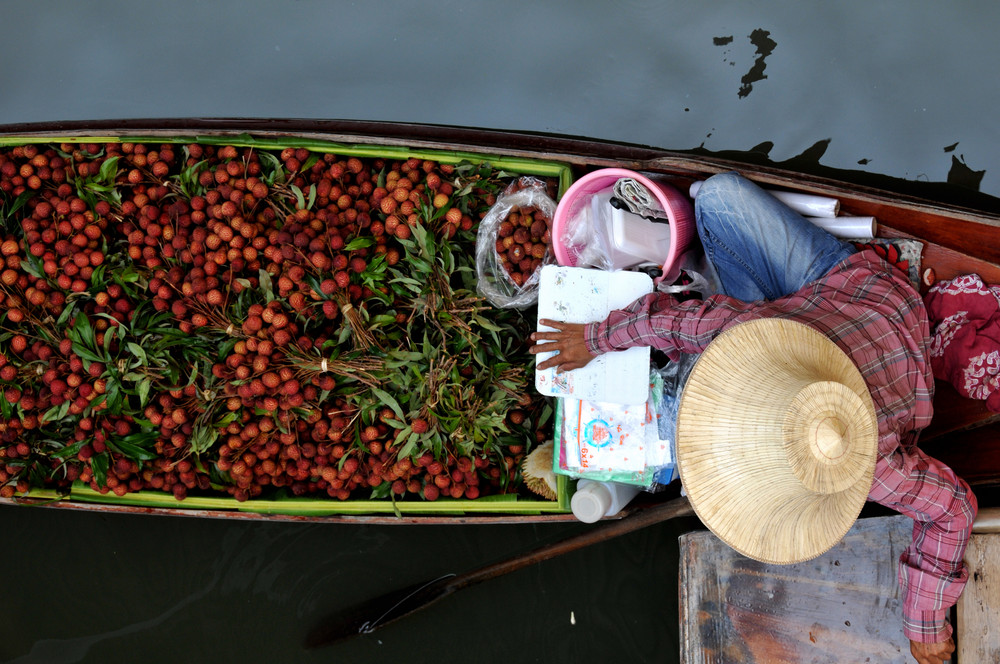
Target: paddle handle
638	519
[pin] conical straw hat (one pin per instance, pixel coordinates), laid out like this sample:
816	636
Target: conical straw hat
776	440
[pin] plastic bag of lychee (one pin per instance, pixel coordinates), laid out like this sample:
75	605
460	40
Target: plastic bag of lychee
513	243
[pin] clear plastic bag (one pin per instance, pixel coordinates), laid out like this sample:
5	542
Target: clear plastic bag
495	282
586	233
702	278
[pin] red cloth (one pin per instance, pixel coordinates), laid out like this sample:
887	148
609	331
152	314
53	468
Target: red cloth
872	312
965	347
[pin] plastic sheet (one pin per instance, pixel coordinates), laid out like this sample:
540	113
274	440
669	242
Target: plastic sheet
587	231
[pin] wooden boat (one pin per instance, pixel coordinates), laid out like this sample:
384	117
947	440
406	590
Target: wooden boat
956	240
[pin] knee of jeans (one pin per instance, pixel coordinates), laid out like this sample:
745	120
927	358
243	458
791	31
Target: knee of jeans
715	198
720	184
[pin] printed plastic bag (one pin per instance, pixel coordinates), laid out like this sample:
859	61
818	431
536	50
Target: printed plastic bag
518	223
614	443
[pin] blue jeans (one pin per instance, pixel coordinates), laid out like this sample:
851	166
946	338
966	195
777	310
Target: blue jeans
761	249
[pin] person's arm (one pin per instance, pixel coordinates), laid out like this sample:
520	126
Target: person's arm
660	321
932	574
656	320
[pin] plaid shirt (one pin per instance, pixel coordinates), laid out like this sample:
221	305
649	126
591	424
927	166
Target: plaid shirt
870	310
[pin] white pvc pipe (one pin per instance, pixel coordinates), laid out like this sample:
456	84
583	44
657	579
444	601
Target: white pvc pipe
805	204
847	227
821	211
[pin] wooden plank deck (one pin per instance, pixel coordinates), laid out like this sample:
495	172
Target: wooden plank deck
840	608
978	610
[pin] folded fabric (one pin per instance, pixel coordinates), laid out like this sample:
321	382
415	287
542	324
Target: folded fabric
965	344
638	199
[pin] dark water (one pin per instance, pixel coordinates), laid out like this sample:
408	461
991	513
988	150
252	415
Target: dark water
905	90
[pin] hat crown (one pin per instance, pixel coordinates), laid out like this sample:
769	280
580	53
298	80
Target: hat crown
823	434
828	439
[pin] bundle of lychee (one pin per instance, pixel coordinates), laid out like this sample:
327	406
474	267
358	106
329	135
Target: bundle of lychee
515	241
523	239
222	319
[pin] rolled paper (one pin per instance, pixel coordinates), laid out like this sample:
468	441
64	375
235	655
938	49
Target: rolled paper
805	204
855	228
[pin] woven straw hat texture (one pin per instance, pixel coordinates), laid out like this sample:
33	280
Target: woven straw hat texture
776	440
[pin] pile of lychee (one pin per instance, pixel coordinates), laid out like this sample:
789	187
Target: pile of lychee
266	253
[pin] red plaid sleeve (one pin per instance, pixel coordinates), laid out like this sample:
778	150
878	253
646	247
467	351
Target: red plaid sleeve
660	321
932	573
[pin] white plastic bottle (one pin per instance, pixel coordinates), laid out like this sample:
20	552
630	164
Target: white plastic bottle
594	500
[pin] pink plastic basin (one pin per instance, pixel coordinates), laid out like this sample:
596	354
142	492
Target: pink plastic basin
680	214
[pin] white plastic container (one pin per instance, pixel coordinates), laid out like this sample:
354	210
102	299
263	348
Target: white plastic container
622	239
594	500
642	240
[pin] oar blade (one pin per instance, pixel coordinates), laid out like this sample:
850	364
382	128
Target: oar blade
376	613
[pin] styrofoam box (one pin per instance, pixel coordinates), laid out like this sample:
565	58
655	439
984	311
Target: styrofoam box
641	239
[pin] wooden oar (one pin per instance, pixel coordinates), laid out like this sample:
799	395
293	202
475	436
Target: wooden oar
381	611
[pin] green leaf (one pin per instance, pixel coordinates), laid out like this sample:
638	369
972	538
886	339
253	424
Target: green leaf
99	466
310	161
411	444
19	203
229	418
312	197
81	326
115	396
33	266
358	243
56	413
86	354
266	284
143	391
202	438
127	276
300	201
131	450
382	491
70	450
109	169
109	336
137	351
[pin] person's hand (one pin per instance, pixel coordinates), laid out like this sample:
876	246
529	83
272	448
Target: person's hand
932	653
569	343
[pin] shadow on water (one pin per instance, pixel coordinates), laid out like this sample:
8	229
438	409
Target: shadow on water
961	187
